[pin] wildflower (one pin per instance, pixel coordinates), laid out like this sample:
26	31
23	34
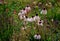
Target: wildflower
28	9
37	36
37	17
40	22
44	11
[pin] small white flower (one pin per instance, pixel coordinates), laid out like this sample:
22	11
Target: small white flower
28	9
29	19
36	18
40	22
22	17
37	36
44	11
23	12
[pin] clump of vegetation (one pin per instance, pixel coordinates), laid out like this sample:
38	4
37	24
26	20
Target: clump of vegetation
10	24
